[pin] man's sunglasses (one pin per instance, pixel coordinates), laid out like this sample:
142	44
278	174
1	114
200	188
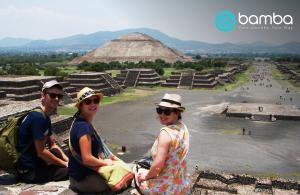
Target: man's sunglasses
54	95
167	111
89	101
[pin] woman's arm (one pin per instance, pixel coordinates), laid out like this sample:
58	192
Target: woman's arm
88	159
158	164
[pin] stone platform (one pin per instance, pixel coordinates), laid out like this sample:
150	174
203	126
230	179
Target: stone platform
99	81
9	108
138	77
265	112
23	88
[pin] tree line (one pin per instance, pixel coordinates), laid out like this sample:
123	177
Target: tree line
158	65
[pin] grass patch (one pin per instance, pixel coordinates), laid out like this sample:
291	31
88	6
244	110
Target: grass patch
66	110
167	73
239	80
283	79
113	72
270	175
129	94
70	69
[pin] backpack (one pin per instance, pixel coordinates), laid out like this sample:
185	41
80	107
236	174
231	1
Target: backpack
9	154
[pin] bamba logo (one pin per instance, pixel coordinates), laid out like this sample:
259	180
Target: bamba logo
266	19
226	21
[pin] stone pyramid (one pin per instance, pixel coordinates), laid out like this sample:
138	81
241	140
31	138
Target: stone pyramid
133	47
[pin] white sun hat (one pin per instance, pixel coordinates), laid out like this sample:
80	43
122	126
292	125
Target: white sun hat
172	101
85	93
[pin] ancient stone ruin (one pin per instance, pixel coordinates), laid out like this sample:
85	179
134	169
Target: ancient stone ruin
193	79
293	74
190	80
263	112
28	88
99	81
209	182
134	47
22	88
138	77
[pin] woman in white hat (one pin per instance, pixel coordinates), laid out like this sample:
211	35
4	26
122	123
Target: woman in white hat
168	172
85	146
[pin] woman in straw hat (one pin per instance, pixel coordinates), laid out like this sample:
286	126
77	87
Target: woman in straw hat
85	146
168	172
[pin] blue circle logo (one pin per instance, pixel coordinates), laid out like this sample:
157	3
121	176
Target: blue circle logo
225	21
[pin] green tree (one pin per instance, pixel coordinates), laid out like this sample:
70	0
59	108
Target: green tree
51	71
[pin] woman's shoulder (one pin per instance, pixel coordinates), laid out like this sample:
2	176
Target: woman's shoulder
80	123
177	126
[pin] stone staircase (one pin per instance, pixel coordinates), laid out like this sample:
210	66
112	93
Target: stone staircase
131	78
186	81
114	84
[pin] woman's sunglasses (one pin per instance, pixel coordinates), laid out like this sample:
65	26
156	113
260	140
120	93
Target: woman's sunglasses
167	111
89	101
55	95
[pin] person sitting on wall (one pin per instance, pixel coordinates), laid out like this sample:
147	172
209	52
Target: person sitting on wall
42	161
168	172
92	168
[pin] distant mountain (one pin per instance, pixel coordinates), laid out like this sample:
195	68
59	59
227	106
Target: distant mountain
87	42
13	42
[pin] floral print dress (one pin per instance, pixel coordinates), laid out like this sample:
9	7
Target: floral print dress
173	178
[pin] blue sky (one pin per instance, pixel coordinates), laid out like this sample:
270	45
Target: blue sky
183	19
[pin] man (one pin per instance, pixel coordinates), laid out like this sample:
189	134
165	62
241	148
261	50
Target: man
41	159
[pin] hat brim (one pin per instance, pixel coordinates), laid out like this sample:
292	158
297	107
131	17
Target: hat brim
100	95
169	105
50	86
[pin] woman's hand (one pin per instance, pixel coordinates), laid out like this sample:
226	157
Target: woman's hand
108	162
113	157
142	175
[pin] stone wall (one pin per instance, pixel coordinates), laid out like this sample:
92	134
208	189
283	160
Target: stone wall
24	88
210	182
2	94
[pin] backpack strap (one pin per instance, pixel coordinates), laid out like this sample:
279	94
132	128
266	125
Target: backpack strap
78	157
22	119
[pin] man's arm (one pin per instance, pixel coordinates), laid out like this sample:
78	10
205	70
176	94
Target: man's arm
46	155
52	144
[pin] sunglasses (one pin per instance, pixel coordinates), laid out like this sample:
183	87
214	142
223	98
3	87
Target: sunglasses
55	95
90	101
167	112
